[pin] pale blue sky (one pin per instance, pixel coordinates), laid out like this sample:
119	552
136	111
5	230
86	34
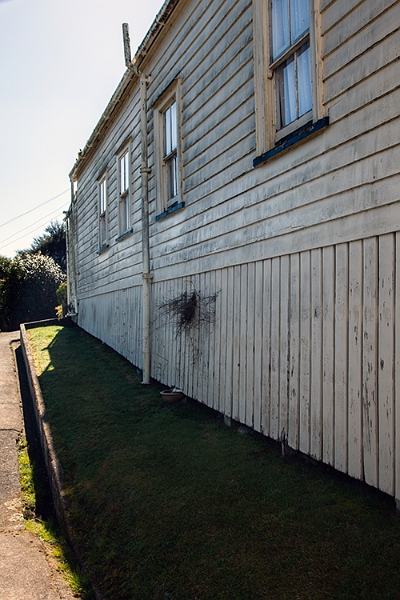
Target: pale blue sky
60	62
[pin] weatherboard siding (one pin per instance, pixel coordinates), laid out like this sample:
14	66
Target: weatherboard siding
301	252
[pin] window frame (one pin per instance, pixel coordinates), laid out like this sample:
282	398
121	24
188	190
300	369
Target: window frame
124	195
103	211
165	204
268	135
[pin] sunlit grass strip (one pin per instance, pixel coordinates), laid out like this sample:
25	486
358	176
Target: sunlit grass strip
46	529
165	502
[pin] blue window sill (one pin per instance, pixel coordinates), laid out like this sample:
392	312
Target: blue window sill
103	248
170	210
294	138
123	235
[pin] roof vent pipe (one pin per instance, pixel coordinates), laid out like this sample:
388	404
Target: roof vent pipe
127	44
127	50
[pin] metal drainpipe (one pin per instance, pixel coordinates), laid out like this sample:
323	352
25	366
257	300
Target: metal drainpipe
147	277
144	175
71	265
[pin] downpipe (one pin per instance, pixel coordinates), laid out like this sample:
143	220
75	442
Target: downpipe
144	177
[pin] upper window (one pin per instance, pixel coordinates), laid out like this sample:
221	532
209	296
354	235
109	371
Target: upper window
170	147
124	195
287	79
103	212
290	59
168	151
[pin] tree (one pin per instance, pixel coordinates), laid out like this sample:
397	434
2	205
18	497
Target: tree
52	243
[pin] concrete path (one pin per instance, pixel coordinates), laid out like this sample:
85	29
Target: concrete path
27	571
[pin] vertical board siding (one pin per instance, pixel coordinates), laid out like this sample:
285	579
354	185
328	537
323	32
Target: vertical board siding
295	345
370	406
328	365
305	366
316	355
116	319
385	363
355	467
266	359
341	357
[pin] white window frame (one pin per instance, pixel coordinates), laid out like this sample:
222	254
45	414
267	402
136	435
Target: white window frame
268	131
168	154
103	211
124	191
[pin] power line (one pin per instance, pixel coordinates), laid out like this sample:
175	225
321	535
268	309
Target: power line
36	207
53	212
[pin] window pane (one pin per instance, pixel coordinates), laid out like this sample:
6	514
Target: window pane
124	173
289	93
172	180
126	207
124	214
304	80
167	132
299	19
280	27
103	231
103	197
121	175
174	127
170	129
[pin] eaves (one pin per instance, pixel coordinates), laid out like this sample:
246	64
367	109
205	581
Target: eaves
148	42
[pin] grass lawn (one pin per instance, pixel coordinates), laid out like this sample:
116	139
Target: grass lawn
168	504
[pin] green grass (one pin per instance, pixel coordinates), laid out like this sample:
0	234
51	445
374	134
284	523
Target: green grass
168	504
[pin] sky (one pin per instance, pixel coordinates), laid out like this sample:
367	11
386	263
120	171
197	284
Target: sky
60	63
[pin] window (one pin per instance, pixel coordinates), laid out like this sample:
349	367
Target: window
287	78
124	196
103	213
170	146
168	152
290	58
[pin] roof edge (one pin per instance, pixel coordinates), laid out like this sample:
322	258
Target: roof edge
142	51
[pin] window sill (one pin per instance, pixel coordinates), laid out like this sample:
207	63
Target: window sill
103	248
170	210
293	139
124	235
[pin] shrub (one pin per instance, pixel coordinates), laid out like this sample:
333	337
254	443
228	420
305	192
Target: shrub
62	294
28	289
10	277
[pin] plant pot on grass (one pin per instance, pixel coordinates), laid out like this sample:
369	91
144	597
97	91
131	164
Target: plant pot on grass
172	396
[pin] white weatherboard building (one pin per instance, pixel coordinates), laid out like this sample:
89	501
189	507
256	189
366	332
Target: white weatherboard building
235	217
